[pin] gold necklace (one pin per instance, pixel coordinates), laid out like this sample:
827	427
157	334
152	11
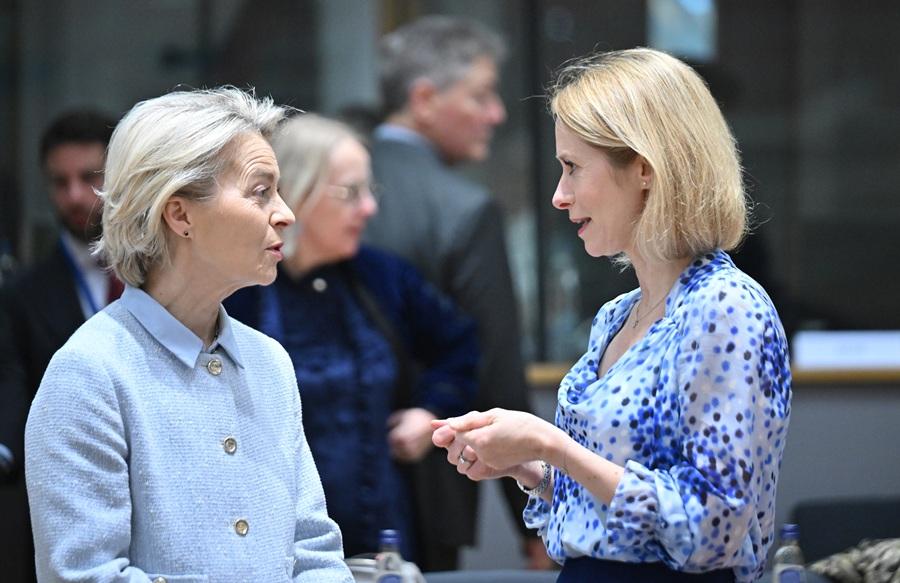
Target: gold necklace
637	313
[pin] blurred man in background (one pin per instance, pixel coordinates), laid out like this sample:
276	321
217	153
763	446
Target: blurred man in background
439	87
45	304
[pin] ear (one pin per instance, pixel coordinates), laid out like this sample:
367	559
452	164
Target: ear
177	216
645	172
422	99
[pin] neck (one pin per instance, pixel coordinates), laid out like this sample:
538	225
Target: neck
403	119
656	278
189	297
302	262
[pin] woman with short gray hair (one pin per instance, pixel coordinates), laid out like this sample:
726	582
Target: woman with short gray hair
165	442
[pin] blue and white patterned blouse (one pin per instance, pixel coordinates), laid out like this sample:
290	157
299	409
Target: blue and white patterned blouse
697	413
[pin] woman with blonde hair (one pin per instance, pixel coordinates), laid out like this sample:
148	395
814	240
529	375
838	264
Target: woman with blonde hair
663	461
377	351
165	442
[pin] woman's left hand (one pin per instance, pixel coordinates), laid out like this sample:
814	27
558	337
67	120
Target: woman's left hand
409	434
504	439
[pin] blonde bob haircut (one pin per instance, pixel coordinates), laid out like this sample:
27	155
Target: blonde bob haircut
176	144
303	146
642	102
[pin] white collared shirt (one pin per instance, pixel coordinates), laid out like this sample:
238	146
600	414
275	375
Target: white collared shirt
95	278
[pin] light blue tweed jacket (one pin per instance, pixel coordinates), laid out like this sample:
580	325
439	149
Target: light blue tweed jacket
148	459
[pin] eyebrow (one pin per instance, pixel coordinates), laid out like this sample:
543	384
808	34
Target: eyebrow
264	174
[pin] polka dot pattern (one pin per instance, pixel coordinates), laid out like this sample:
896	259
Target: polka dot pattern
697	413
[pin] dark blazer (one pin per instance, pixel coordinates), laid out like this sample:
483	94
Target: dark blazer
39	310
452	230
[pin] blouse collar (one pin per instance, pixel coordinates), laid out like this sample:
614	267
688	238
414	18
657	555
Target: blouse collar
172	334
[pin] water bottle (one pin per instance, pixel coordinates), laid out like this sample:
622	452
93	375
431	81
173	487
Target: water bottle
388	561
788	558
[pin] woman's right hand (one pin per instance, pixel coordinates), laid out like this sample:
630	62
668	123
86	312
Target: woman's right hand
444	436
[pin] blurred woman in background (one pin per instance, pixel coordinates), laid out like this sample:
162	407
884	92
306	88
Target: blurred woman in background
378	353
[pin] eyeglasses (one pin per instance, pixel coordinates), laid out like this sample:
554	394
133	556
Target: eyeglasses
352	194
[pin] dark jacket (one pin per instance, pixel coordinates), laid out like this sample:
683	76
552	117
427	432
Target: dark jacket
39	310
367	337
452	230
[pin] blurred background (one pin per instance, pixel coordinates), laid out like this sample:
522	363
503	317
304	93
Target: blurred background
809	87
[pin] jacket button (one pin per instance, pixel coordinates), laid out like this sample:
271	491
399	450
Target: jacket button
230	445
214	367
241	527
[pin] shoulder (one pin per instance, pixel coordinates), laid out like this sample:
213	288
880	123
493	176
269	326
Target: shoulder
109	333
373	264
258	349
395	161
45	275
83	367
384	274
724	299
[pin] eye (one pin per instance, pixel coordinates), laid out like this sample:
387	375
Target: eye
569	165
262	192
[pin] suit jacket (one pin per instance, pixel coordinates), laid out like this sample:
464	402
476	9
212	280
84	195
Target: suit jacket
149	457
451	229
39	310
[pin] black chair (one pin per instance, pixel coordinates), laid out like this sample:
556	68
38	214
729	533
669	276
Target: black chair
831	526
498	576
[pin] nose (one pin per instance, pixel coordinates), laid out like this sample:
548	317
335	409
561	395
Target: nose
496	111
562	200
368	204
283	216
78	192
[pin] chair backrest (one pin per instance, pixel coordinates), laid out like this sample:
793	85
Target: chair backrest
831	526
491	576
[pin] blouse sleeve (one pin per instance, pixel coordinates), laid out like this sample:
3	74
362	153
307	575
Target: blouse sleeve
77	475
442	339
714	503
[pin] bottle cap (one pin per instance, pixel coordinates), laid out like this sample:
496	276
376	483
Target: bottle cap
389	537
790	532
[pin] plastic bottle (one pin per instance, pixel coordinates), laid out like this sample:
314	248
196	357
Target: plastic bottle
388	561
788	566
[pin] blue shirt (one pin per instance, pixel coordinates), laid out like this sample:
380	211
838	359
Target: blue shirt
697	413
148	456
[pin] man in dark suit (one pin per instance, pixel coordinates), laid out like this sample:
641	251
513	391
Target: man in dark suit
44	305
439	88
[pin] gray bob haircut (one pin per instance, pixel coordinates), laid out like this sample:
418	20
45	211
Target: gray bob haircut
437	48
176	144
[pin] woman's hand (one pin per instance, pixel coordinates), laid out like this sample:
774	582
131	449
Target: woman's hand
409	434
505	439
496	432
464	457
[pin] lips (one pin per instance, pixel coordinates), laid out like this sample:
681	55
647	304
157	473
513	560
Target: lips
582	223
276	249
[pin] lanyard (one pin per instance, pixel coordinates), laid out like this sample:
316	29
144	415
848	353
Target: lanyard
80	282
